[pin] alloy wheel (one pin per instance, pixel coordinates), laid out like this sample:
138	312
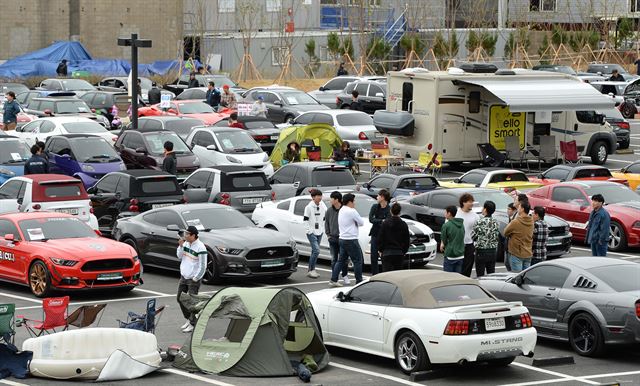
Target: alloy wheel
583	335
407	354
38	279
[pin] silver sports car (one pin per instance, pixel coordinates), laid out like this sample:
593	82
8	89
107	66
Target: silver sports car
589	301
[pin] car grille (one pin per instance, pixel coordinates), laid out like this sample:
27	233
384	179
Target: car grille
420	239
286	267
269	253
107	265
557	231
98	283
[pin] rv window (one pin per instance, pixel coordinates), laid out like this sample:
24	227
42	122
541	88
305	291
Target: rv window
588	117
474	102
407	96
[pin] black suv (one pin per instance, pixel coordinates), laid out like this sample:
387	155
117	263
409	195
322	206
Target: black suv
372	96
131	192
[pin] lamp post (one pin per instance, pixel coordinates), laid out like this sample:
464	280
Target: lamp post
134	43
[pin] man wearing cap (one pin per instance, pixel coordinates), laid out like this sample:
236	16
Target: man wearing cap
193	265
259	109
228	98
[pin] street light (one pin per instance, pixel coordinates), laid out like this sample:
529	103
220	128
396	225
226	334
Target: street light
134	43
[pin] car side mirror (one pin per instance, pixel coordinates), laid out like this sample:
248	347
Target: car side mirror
212	147
278	103
173	228
141	150
340	296
9	237
457	180
518	280
366	185
92	190
290	121
540	176
172	111
296	184
98	232
322	88
379	95
67	156
19	201
47	112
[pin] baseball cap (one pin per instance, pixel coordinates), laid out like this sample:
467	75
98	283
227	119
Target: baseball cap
261	97
226	87
193	230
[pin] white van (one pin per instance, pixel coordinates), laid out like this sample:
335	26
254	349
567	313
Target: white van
451	112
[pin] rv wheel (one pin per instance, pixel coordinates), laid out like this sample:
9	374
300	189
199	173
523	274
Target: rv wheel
599	153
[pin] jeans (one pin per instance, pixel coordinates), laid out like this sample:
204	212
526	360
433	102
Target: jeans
392	263
349	249
518	264
191	287
374	255
485	259
314	240
452	265
599	249
469	257
334	248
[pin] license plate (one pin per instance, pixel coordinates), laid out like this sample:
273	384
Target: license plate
156	206
73	211
110	276
416	248
493	324
274	137
248	201
272	263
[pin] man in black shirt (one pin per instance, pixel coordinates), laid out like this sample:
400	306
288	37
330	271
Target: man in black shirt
355	103
393	240
616	77
62	68
36	164
169	164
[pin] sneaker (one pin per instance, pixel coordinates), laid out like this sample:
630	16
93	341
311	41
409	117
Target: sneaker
188	329
185	325
334	284
346	280
313	274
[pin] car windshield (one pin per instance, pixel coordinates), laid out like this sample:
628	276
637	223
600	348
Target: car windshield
182	126
71	107
77	85
155	142
220	81
332	177
13	152
354	119
216	218
298	98
237	141
621	277
89	127
592	173
195	108
561	69
94	150
613	193
501	199
459	293
259	125
55	228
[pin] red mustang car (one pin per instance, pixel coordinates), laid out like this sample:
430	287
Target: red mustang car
54	251
571	201
187	108
562	173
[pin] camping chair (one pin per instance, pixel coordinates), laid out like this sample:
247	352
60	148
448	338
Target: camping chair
513	151
435	164
547	150
54	315
7	322
85	316
569	151
379	165
314	153
490	155
423	161
146	322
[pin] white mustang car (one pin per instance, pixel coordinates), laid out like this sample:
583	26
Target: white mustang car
286	217
423	317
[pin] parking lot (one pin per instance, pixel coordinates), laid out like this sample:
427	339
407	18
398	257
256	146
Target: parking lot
620	364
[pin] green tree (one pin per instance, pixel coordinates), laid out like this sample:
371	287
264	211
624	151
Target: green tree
559	36
625	31
346	48
543	50
445	49
412	42
473	41
510	46
488	42
333	44
314	61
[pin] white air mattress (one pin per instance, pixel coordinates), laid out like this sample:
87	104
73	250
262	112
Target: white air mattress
82	353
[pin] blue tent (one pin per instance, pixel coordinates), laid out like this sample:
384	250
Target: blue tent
58	51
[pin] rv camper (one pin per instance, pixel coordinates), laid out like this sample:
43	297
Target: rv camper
451	112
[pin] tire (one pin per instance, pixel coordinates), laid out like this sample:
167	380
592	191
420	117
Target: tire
410	353
628	110
625	145
599	153
585	335
501	362
211	276
617	237
40	279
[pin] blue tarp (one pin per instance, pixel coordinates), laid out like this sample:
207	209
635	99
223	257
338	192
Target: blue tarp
44	62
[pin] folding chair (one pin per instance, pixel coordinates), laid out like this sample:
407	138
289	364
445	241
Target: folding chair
146	322
547	150
378	164
569	151
85	316
435	164
7	322
513	151
54	315
423	161
490	155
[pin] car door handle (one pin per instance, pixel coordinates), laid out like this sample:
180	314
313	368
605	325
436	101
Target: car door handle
549	296
375	313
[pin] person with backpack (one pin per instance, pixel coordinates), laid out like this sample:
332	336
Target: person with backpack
452	241
313	219
485	235
394	240
62	71
377	214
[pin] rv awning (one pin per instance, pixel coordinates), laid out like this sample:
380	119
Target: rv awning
551	94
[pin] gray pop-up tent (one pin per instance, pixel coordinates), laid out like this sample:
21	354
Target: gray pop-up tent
254	332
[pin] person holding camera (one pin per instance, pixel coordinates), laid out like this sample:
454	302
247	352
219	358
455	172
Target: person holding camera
193	265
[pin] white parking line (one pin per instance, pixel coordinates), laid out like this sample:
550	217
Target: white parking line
26	299
12	383
622	255
196	377
610	375
619	160
554	373
150	292
579	379
374	374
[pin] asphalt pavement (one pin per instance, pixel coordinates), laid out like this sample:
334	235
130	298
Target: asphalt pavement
620	364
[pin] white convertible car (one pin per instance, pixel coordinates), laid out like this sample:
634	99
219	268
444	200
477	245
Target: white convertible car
286	217
423	317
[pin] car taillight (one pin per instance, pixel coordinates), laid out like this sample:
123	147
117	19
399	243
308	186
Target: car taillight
430	146
91	210
183	200
133	205
36	206
386	140
260	137
273	195
457	327
624	125
362	136
224	199
508	190
525	319
337	101
638	309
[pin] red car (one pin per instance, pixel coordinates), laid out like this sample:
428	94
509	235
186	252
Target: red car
562	173
187	108
571	201
54	251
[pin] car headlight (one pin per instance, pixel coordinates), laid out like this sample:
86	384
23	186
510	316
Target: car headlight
292	243
233	159
196	160
566	228
266	158
87	168
123	166
228	251
136	258
64	262
7	172
636	224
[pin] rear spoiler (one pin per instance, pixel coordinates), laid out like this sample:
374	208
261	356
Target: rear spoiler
332	166
488	308
55	182
255	171
157	176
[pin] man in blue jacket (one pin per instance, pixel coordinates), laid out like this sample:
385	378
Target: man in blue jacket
598	227
213	96
10	112
37	164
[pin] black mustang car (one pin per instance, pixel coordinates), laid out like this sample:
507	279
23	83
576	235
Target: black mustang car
428	208
224	230
400	185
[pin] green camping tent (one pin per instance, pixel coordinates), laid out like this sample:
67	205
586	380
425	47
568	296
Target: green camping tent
322	134
254	332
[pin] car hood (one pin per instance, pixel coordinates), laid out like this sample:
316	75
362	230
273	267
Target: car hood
304	108
207	118
237	238
83	248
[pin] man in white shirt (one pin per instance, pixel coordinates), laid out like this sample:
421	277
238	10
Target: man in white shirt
313	219
259	109
469	218
349	221
193	265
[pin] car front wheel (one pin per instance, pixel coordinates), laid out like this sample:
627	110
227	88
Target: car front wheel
39	279
410	353
211	275
585	336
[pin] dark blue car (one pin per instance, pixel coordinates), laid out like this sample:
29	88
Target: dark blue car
14	152
84	156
